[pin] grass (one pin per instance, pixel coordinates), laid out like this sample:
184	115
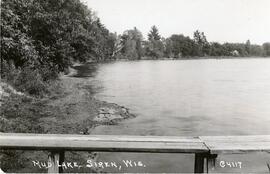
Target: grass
69	108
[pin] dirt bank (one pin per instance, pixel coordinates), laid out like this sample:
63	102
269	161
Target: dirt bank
71	109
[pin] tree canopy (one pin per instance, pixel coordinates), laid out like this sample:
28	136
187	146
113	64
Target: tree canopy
46	36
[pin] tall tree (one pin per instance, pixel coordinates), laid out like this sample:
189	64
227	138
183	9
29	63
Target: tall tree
154	47
168	50
248	47
203	46
131	41
154	34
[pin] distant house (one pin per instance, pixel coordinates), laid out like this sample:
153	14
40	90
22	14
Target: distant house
179	55
235	53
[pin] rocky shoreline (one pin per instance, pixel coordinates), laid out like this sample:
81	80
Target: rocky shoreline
100	112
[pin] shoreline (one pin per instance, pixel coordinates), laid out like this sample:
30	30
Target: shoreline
183	58
72	109
202	58
159	59
87	110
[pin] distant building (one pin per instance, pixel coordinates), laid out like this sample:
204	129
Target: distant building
179	55
235	53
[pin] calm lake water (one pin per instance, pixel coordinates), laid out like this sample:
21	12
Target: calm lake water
187	98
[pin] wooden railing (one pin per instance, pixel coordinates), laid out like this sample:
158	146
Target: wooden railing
205	148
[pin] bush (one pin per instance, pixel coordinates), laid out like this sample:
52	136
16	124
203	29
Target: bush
30	81
25	79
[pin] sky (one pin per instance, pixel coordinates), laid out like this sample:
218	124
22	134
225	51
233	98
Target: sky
220	20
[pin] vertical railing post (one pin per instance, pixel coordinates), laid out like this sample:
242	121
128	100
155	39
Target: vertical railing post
211	161
204	162
56	158
200	165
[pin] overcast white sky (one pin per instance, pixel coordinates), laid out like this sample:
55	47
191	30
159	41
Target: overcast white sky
221	20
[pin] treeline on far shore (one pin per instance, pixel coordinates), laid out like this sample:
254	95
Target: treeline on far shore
131	45
42	38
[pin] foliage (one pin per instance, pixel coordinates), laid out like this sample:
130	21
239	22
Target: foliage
201	43
178	46
154	34
44	37
266	48
217	49
154	46
131	44
182	46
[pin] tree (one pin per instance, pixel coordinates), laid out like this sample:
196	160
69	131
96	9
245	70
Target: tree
168	44
45	37
154	47
266	48
131	42
182	46
256	50
217	49
154	34
117	45
201	42
248	47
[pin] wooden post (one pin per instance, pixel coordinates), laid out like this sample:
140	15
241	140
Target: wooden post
55	160
211	162
204	162
200	163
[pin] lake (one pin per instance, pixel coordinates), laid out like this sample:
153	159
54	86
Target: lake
187	98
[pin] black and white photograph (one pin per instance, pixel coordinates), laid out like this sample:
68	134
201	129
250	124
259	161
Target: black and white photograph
135	86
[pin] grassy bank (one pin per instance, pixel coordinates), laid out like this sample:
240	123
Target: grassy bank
70	109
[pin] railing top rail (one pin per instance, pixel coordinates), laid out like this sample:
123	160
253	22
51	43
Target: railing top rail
109	143
125	143
237	144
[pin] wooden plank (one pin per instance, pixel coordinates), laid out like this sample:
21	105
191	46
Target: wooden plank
237	144
102	143
239	138
104	137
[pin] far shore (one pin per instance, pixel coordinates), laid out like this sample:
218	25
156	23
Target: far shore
182	58
205	57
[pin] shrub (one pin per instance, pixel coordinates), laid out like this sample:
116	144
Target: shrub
31	82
